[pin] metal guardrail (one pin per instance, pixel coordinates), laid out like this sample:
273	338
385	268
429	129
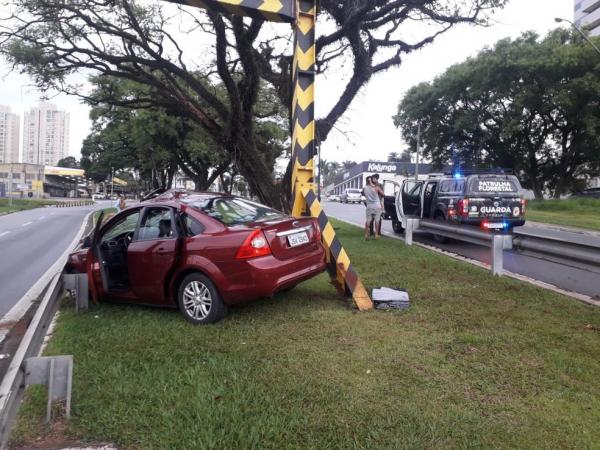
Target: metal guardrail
575	248
12	387
497	243
49	288
561	250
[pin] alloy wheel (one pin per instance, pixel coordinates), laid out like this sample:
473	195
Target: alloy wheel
197	300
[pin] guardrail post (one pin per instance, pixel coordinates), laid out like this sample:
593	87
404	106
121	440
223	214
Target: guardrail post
54	372
498	255
411	225
78	283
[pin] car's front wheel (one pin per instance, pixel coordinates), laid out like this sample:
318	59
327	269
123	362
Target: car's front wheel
199	301
397	226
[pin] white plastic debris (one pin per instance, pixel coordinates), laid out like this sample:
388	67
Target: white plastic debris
387	298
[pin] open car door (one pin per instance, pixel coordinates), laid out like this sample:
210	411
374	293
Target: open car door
408	199
95	270
390	189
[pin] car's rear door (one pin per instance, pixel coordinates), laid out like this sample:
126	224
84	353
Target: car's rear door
152	254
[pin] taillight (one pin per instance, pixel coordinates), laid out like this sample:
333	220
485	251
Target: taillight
317	230
523	206
254	245
463	207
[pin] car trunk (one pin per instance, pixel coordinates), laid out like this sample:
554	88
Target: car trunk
500	207
289	238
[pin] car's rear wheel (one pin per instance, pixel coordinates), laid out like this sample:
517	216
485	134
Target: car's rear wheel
199	301
440	239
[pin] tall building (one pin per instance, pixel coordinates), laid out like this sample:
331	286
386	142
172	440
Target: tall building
587	15
9	135
45	135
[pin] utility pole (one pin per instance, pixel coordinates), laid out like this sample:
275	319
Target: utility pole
112	183
418	151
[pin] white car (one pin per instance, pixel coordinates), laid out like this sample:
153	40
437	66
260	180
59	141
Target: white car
333	198
97	197
351	196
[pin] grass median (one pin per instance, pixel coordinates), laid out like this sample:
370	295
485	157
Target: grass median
573	212
21	204
477	361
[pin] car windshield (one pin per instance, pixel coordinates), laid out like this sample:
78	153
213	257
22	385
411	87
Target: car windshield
235	211
353	191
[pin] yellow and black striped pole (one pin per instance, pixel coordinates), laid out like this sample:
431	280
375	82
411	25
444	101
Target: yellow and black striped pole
305	202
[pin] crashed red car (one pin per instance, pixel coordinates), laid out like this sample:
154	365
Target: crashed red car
200	252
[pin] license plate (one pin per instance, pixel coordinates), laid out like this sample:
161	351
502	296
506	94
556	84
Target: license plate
495	225
297	239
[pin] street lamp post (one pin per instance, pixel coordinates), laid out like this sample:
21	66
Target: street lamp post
560	19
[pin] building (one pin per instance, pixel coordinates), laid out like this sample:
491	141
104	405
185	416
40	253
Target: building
587	15
45	135
356	176
23	180
9	135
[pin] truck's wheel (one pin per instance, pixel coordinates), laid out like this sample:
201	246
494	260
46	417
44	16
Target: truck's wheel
440	239
397	226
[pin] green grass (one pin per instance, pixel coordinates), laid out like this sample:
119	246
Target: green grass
108	212
575	212
477	362
20	204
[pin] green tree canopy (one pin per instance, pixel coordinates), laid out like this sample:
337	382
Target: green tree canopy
529	104
138	41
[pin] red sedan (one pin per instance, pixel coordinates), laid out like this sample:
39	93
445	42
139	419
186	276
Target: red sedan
200	252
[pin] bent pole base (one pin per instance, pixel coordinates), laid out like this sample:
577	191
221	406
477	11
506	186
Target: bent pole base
343	275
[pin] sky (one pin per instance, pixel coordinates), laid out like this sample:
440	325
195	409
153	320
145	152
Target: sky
366	130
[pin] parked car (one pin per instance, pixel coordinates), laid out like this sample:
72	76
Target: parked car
351	196
200	252
98	197
589	193
333	198
491	200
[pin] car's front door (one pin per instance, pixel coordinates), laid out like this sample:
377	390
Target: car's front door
390	189
152	254
409	198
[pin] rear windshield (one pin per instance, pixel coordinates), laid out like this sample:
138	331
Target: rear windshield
235	211
353	191
494	185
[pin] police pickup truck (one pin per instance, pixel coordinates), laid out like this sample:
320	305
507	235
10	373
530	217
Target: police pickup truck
490	200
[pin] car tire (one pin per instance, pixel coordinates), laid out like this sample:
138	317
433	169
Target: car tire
437	238
199	301
397	227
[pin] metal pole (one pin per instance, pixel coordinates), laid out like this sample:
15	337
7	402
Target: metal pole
112	183
497	255
418	151
560	19
10	187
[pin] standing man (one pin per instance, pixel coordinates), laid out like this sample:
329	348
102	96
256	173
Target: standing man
375	178
374	208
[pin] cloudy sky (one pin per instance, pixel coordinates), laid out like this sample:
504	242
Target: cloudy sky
366	131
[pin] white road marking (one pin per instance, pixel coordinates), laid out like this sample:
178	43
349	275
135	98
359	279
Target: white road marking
26	223
41	218
2	234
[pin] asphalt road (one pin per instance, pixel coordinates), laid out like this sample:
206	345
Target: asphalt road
30	242
575	279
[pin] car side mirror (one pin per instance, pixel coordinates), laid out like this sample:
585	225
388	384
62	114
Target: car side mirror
86	242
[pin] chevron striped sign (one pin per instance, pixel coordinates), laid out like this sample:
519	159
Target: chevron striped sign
305	203
272	10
